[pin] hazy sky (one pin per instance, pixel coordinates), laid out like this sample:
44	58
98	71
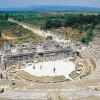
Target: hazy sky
25	3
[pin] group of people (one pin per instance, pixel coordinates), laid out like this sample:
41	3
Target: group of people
41	68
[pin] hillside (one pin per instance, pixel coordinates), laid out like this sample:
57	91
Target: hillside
12	32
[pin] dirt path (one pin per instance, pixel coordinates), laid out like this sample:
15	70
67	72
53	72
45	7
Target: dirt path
35	30
8	38
38	31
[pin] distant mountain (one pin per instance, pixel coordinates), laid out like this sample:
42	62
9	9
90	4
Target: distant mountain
53	8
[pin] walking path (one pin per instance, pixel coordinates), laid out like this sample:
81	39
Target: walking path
38	31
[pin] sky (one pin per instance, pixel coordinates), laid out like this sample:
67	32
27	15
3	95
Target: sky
26	3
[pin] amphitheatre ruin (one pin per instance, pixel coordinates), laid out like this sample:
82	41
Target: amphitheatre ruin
55	69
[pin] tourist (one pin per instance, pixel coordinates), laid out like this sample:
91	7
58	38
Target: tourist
34	66
6	77
13	82
54	70
1	75
41	67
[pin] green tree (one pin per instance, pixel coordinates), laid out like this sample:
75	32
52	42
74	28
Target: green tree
56	23
53	24
6	16
89	36
95	21
80	18
0	34
70	21
48	24
83	39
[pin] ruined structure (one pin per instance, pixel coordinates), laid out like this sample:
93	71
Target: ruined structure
41	51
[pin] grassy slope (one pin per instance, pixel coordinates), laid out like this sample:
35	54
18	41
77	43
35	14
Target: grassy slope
12	31
69	33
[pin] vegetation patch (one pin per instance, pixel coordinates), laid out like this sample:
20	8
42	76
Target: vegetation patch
73	74
12	31
47	79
